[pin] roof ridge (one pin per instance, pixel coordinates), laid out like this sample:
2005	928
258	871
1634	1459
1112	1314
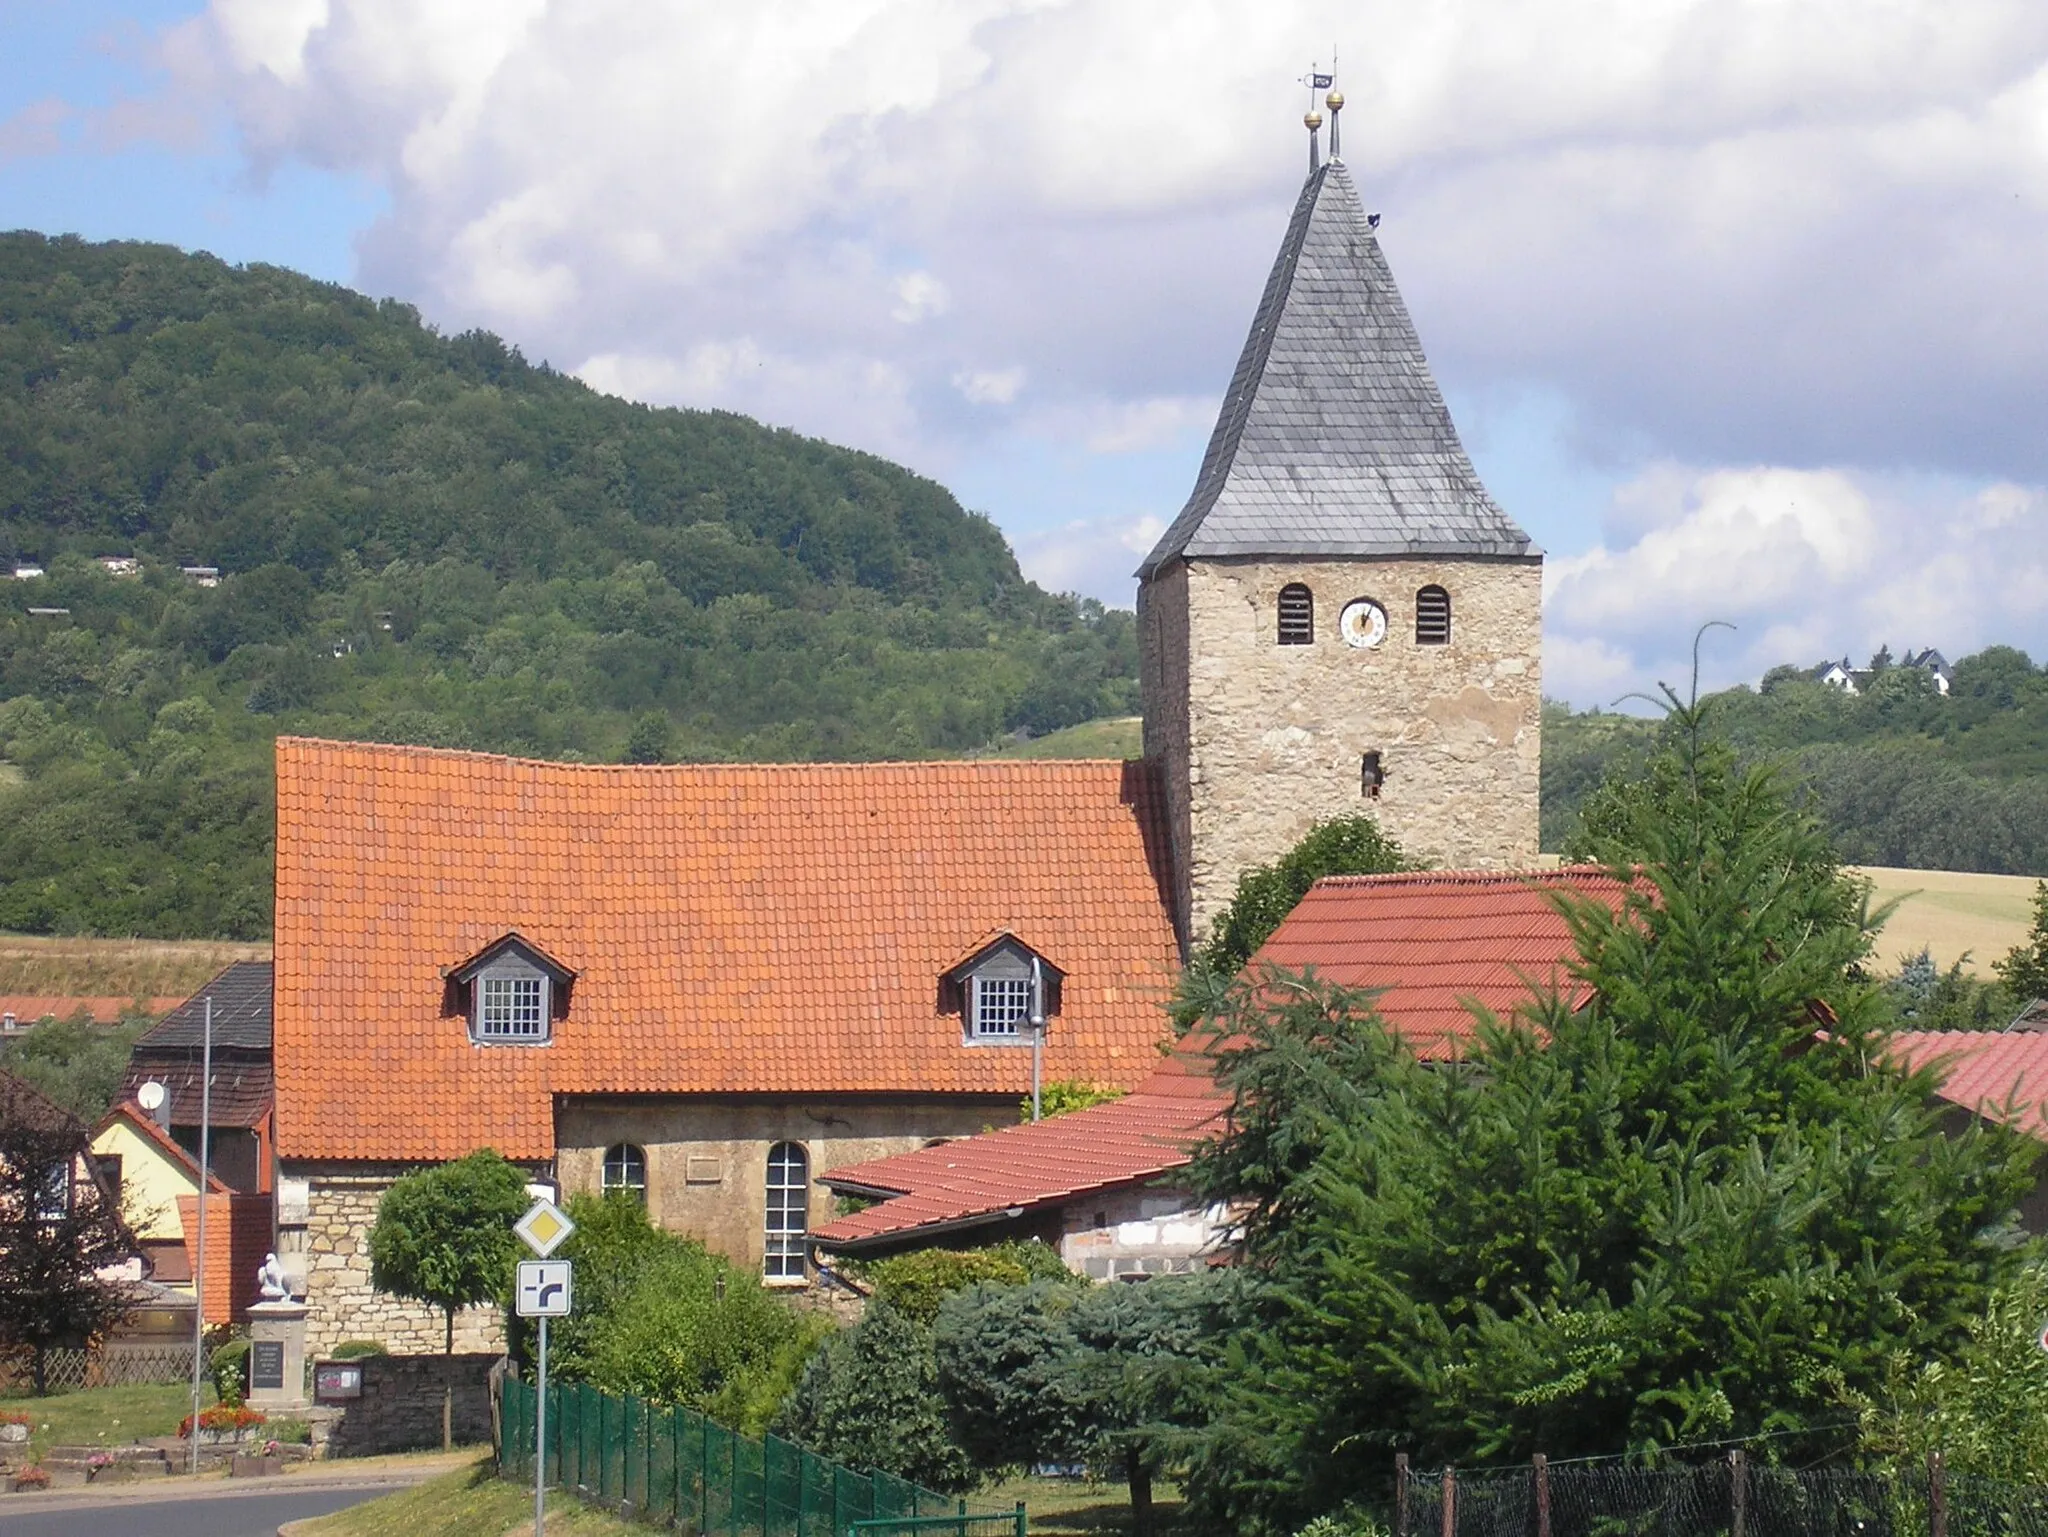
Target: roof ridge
925	765
1470	877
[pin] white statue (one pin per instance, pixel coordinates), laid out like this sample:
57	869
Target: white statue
270	1277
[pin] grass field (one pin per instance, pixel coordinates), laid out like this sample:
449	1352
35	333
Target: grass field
1120	738
104	1416
116	968
472	1503
1952	914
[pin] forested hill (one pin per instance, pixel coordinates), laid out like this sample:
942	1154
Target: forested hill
1900	774
429	539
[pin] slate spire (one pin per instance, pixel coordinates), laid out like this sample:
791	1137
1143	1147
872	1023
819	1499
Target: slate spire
1334	439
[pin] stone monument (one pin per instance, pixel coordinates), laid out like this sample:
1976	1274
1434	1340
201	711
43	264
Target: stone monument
277	1343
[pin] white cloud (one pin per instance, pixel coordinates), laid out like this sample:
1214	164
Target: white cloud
1806	564
989	386
1092	556
919	296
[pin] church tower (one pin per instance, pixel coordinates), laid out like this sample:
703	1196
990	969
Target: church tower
1341	619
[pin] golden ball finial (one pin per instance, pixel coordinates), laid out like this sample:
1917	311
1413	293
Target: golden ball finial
1334	101
1312	120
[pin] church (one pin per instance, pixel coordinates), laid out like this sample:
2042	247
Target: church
708	984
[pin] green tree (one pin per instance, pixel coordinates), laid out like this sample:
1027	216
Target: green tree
2024	970
870	1398
1674	1214
75	1062
1268	893
58	1228
651	740
917	1283
443	1235
1055	1373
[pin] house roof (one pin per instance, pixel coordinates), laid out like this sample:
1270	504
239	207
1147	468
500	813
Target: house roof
1438	939
1148	1133
22	1101
27	1008
243	1088
1434	940
2000	1075
733	930
241	1013
1333	438
144	1125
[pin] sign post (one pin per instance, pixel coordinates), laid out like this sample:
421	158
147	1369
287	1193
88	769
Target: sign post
543	1292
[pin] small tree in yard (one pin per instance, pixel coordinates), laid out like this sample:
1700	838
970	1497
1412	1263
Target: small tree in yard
2025	966
56	1232
444	1237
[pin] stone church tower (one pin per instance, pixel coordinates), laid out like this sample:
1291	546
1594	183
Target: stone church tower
1341	619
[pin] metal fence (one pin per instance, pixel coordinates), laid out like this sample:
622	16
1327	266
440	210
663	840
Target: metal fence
1733	1496
110	1366
675	1467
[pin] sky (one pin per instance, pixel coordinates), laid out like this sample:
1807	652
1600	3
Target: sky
1741	306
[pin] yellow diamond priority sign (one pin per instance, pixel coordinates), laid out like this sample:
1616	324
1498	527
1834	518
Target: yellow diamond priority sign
544	1228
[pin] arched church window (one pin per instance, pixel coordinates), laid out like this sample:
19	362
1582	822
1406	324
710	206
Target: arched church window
625	1168
789	1203
1432	617
1297	615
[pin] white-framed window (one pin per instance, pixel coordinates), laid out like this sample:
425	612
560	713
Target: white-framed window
1002	1007
789	1208
511	1006
53	1194
625	1168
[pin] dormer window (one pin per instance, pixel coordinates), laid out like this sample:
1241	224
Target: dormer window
1004	992
511	992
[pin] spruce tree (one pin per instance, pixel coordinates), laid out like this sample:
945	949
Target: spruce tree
1699	1207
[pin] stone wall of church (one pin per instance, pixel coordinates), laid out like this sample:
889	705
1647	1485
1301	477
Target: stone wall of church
707	1158
1163	688
326	1243
1275	734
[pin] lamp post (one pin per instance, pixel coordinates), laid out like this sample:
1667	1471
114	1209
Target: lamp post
1037	1034
199	1263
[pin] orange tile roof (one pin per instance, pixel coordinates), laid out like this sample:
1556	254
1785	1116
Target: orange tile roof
29	1008
1148	1133
732	930
2000	1075
1432	939
1436	939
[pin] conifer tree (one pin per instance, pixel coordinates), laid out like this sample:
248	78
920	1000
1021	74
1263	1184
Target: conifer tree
2025	967
1700	1206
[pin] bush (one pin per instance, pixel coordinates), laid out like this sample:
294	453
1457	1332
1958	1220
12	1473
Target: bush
356	1350
916	1283
662	1318
229	1367
222	1417
870	1398
291	1432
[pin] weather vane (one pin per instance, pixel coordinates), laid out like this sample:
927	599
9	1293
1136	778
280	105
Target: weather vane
1316	81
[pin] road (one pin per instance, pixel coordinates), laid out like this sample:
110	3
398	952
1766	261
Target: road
254	1513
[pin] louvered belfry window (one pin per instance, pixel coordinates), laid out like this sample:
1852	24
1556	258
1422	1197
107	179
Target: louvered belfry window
1432	617
1297	616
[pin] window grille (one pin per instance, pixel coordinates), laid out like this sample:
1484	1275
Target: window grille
1432	617
625	1168
1297	615
1002	1006
512	1009
789	1200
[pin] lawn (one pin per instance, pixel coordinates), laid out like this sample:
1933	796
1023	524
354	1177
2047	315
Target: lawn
105	1416
473	1503
1121	737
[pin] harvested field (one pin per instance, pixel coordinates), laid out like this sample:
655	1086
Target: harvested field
116	968
1951	913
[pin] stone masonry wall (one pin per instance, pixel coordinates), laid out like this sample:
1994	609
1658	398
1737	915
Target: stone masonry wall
707	1159
400	1410
1163	686
340	1210
1275	733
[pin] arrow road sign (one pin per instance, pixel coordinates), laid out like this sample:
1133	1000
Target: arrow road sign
543	1288
545	1227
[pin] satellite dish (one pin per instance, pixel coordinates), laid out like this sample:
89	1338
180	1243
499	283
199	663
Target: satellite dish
150	1096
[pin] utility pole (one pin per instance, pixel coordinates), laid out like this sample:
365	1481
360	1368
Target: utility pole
199	1261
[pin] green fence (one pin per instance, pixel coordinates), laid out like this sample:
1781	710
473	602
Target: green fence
675	1467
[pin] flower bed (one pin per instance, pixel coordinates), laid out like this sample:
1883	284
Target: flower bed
30	1477
223	1422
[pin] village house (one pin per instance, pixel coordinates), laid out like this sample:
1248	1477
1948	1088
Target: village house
703	985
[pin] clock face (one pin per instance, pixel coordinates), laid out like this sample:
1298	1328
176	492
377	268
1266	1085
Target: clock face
1363	623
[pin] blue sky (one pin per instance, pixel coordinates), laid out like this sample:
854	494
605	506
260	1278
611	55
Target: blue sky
1737	307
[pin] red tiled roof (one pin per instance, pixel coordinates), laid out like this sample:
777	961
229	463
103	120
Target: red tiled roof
1983	1070
28	1008
1150	1132
1436	939
758	929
